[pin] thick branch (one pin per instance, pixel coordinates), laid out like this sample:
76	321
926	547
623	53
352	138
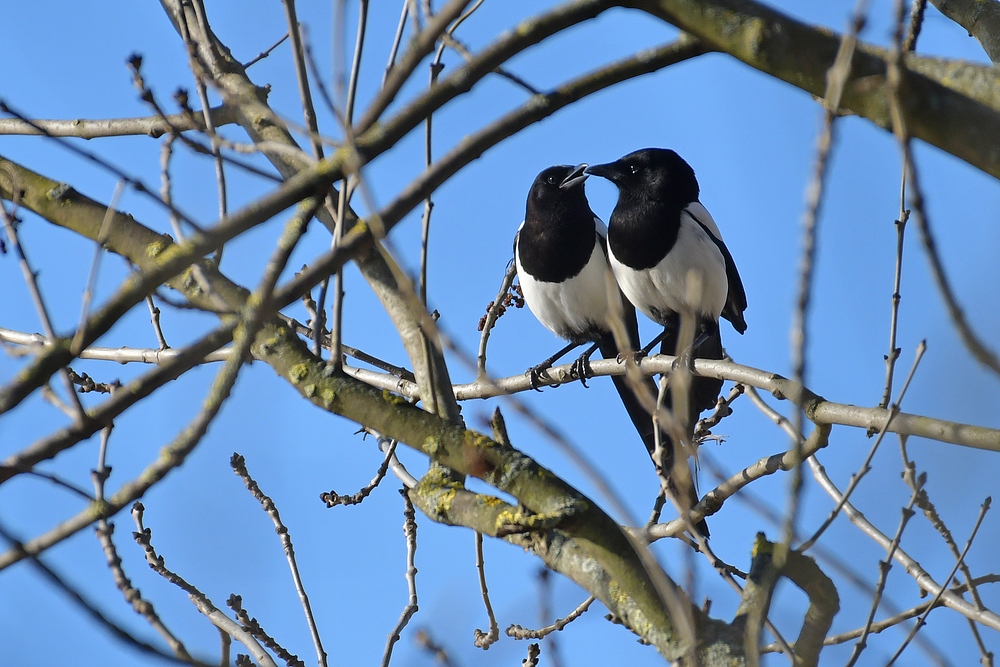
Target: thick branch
980	18
948	103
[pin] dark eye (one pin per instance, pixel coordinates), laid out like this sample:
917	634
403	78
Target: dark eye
552	180
633	169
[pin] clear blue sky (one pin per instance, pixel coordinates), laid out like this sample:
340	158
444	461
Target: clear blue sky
751	140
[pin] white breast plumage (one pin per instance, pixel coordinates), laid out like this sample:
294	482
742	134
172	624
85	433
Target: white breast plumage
691	277
576	309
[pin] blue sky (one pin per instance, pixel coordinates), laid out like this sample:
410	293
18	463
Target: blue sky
751	140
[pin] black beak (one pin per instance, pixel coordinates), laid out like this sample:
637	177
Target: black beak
609	171
575	177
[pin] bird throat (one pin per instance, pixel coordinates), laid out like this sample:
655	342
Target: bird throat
641	233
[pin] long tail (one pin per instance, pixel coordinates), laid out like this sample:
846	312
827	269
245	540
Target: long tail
641	419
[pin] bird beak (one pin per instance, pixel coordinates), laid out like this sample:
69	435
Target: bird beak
575	177
609	170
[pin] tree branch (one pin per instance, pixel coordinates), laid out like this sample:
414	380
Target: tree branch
980	18
947	102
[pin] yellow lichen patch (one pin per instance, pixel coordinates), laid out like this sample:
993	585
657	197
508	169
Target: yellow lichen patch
442	499
391	398
326	395
762	546
155	248
298	372
431	445
309	390
511	517
490	501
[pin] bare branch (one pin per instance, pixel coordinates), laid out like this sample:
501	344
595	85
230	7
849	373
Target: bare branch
410	533
153	126
238	464
518	632
484	640
981	19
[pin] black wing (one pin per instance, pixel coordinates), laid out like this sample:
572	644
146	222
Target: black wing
736	300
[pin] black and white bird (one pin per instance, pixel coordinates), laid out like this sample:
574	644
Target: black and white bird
562	266
669	258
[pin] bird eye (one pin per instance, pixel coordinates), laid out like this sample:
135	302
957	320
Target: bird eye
552	180
633	169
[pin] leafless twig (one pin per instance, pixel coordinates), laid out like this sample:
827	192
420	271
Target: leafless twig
31	280
143	537
238	464
519	632
866	465
923	617
265	53
410	532
883	575
484	640
332	498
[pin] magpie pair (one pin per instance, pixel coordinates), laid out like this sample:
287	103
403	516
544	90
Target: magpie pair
665	251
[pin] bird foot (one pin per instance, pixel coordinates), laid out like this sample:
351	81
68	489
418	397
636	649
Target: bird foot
684	358
535	376
634	356
581	369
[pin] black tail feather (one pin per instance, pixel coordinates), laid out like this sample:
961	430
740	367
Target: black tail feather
641	419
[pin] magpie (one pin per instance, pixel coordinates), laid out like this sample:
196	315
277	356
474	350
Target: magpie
669	259
561	256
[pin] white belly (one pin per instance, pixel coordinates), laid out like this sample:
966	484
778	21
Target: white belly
577	308
692	277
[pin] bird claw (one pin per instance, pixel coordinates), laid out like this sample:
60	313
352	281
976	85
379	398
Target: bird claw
581	370
684	358
535	375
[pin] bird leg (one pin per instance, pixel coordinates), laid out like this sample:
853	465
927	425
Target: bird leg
581	367
535	372
687	355
668	330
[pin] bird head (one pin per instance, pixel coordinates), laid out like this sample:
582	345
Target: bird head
657	174
558	187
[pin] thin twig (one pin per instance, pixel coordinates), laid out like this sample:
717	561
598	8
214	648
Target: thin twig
837	78
238	464
95	264
493	312
973	343
410	533
397	40
866	465
265	53
253	626
31	281
425	222
398	469
482	639
143	537
426	642
883	575
930	512
983	509
890	359
154	318
332	498
519	632
199	83
91	609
